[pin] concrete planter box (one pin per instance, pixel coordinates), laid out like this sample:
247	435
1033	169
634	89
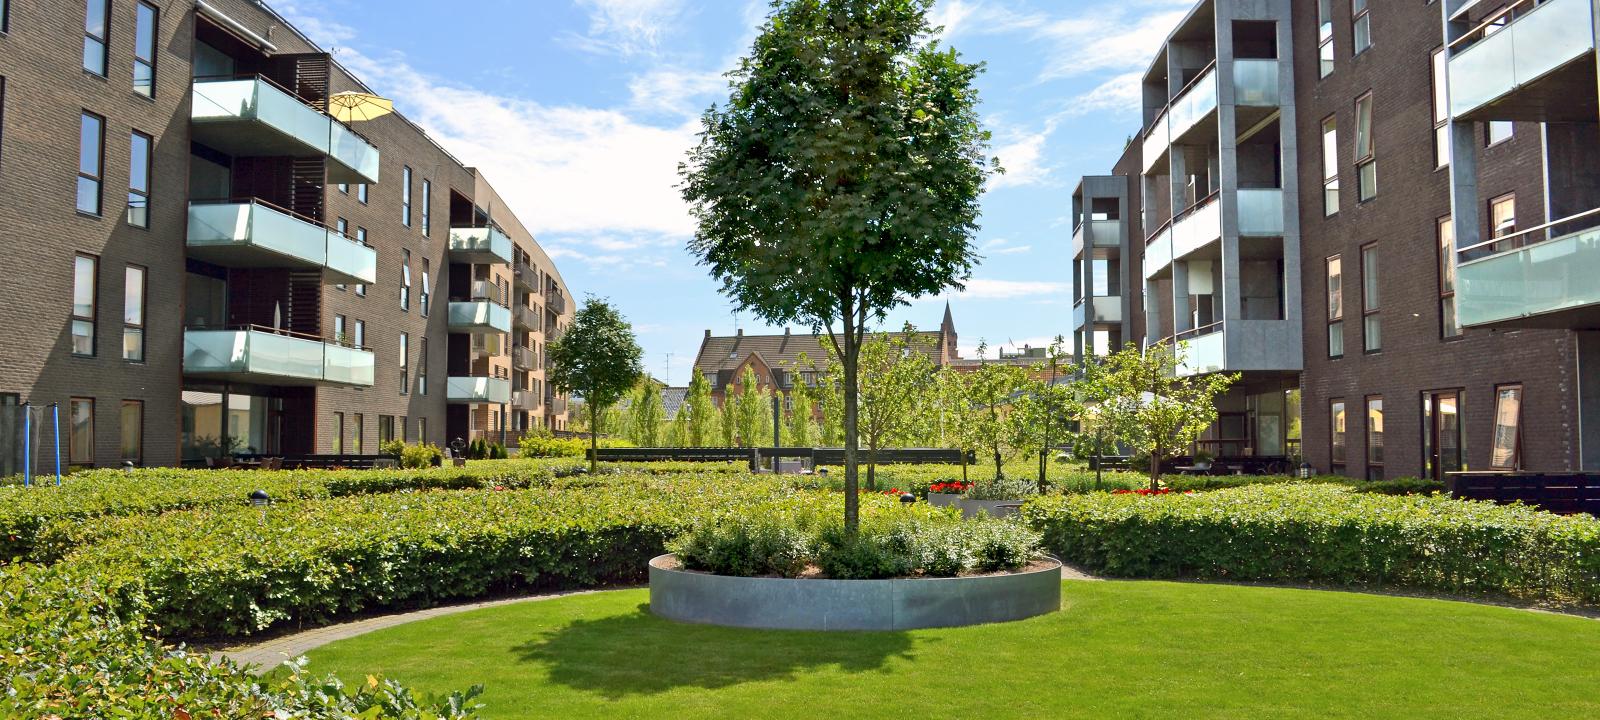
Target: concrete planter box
899	604
943	499
993	508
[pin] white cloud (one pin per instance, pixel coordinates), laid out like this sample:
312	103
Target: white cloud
1002	246
1022	156
627	27
1116	40
676	91
990	289
1123	93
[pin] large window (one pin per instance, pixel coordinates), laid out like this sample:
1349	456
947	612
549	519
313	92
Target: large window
422	429
1503	216
427	286
1443	441
362	193
1371	325
361	237
1441	109
1325	37
1366	151
1375	437
427	202
80	431
405	195
85	279
405	279
1360	26
405	362
1336	431
359	341
96	24
422	368
1506	454
358	427
404	429
385	430
133	431
342	226
338	433
133	301
1330	166
146	24
1335	307
139	180
1449	326
91	158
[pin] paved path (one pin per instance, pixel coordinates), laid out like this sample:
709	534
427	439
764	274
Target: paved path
269	655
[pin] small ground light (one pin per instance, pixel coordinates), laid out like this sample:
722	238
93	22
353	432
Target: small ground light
907	498
260	499
127	466
1305	471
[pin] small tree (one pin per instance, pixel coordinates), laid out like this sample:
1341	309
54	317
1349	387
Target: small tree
991	391
1148	406
646	416
597	358
802	430
956	426
728	418
1040	414
842	177
752	411
699	413
894	371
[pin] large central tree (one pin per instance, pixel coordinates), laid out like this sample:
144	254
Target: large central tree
842	176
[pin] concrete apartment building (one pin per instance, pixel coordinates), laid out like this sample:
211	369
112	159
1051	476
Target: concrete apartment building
205	261
1379	214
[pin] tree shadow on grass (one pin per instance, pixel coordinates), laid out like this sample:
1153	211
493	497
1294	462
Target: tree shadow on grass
641	654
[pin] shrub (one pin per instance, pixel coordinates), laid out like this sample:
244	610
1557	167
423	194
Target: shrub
392	447
877	550
421	455
759	543
1002	489
1327	534
540	443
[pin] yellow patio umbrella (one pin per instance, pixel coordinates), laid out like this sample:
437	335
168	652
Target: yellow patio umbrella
358	106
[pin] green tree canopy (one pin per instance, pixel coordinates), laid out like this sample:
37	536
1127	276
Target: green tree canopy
646	417
842	176
1146	404
598	358
699	412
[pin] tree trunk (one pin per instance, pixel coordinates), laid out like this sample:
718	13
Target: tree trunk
999	474
1155	470
594	439
852	480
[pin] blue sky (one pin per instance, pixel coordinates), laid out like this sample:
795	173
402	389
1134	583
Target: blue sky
580	110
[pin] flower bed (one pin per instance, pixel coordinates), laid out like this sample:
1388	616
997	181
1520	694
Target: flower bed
1327	534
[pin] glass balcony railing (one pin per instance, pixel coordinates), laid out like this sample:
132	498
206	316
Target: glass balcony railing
1197	102
255	234
1199	226
477	390
1255	83
1101	309
1493	61
272	358
1204	354
1156	141
1158	253
480	246
479	316
1261	212
254	117
1532	286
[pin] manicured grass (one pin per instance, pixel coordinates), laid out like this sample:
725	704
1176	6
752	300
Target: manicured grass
1117	649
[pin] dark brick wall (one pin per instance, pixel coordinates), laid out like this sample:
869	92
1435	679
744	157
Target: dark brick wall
1412	195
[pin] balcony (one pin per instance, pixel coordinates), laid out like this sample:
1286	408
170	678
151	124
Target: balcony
1158	253
1197	227
255	234
1548	284
480	246
1196	103
477	390
1255	83
522	358
526	278
1156	140
1261	212
265	357
1204	353
479	316
254	117
1107	309
1259	346
1099	233
555	301
525	400
1538	66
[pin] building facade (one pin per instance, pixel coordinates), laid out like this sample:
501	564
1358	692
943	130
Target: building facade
1376	208
287	283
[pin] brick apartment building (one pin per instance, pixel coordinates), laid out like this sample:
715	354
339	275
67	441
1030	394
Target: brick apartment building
205	261
1381	214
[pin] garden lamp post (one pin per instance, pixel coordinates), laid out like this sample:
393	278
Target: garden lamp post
259	499
1306	470
906	499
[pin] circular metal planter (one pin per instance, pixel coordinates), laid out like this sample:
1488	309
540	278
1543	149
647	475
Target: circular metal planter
898	604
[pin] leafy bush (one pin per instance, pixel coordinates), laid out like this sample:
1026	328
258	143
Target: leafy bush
73	652
392	447
762	542
539	443
421	455
877	550
1011	488
1327	534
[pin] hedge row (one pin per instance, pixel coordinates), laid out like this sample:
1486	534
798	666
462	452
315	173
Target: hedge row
1328	534
231	571
71	653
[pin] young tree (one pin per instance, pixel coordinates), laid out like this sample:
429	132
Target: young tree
1039	416
894	370
828	397
728	419
991	391
956	427
646	416
802	430
842	176
752	411
1146	404
699	413
597	358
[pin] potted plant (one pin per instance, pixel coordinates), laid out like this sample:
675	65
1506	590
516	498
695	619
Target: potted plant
999	497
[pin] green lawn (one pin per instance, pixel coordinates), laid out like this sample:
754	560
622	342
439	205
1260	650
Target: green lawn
1117	649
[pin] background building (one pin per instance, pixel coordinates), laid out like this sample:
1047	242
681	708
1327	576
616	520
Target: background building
208	262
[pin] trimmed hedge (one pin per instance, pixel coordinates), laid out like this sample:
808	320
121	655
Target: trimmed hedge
1326	534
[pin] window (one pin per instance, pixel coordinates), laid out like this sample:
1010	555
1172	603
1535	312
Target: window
422	369
1371	327
405	279
1325	37
359	340
146	23
1443	441
338	433
1335	307
385	429
427	200
1503	216
422	430
338	330
361	193
1498	131
344	188
5	15
85	278
405	362
426	294
139	181
361	237
96	24
1375	437
80	431
1441	110
358	424
405	195
401	421
1366	161
342	227
1506	453
1360	26
91	156
1449	326
1336	429
1330	166
133	298
133	431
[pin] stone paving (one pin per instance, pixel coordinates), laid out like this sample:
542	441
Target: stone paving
269	655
